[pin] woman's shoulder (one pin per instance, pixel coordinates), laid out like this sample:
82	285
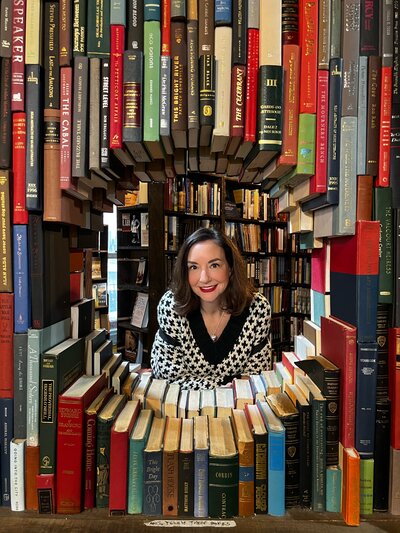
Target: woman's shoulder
166	307
260	303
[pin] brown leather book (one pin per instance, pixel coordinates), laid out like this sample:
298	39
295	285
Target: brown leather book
364	197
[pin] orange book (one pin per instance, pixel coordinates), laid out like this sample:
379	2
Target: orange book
351	487
31	471
170	482
245	446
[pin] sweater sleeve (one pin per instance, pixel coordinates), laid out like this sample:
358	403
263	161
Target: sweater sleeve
260	354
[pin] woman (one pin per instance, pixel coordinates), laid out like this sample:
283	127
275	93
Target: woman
213	325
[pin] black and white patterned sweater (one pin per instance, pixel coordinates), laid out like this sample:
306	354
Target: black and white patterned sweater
183	351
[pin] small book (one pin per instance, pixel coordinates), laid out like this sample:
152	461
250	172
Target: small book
141	272
272	385
96	268
154	396
129	384
140	313
245	445
101	356
207	402
17	478
224	401
258	387
170	406
193	406
152	468
111	365
92	343
82	318
201	450
242	392
140	390
186	469
170	473
119	375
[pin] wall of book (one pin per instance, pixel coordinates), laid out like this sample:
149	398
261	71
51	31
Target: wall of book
295	100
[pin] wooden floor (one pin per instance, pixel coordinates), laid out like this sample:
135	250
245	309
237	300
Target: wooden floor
97	520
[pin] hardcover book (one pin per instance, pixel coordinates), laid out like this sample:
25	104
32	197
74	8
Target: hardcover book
17	469
6	425
351	487
382	455
22	293
260	436
245	444
201	452
170	466
152	469
186	469
6	345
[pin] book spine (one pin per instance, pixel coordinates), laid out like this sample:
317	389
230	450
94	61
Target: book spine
308	57
223	487
34	183
201	483
89	491
152	10
20	214
94	113
51	166
118	472
170	483
207	92
206	27
79	22
135	484
65	127
18	56
383	177
292	458
31	471
5	114
65	34
116	80
186	484
383	212
246	480
166	28
382	324
237	113
151	86
6	424
333	489
104	113
6	280
6	345
33	384
318	470
324	35
318	180
269	113
373	115
152	483
276	474
336	28
117	12
250	124
103	463
362	114
6	29
366	485
394	385
367	362
193	84
239	32
79	117
350	53
369	28
98	28
20	382
17	480
51	78
134	25
165	100
179	83
22	298
305	455
334	107
382	455
261	474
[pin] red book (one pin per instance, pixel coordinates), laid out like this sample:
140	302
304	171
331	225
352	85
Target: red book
250	120
308	16
6	345
31	472
339	345
320	267
119	456
20	214
237	118
46	489
166	28
65	128
70	440
90	446
394	385
116	81
383	178
318	181
18	58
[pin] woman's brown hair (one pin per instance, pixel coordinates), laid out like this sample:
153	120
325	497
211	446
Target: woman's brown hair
239	292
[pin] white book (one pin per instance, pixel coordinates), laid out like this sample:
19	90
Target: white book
140	313
182	405
193	408
17	472
258	387
154	397
224	401
141	388
170	406
242	392
207	402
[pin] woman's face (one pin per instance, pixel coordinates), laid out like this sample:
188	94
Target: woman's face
208	271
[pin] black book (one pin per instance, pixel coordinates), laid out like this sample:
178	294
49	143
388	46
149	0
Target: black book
383	318
239	32
80	117
34	173
5	113
82	318
331	197
382	455
395	154
134	25
369	27
6	28
207	97
186	470
50	291
284	409
326	376
51	63
104	114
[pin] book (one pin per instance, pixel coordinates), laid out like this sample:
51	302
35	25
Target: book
20	343
6	345
354	273
382	455
119	375
100	356
366	485
21	282
34	183
137	442
170	404
18	43
45	484
105	421
17	468
90	442
223	471
154	397
351	487
117	45
119	454
201	452
260	436
82	318
333	489
394	501
6	284
276	460
207	402
179	84
338	345
79	159
6	424
31	471
60	366
245	444
140	310
170	466
394	387
193	403
71	441
242	392
382	203
152	468
186	469
224	401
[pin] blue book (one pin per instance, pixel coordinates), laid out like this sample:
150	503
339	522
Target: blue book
367	369
152	10
6	434
201	451
152	469
333	489
137	443
276	460
22	307
223	13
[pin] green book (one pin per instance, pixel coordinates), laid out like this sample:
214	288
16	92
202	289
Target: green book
333	489
105	420
59	367
151	86
39	340
223	470
137	444
382	211
366	486
98	28
118	12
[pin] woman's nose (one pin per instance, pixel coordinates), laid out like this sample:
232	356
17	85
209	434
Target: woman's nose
204	275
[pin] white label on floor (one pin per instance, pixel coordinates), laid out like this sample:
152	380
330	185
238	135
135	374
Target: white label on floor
191	523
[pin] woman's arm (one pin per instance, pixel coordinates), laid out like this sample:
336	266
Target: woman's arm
259	357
